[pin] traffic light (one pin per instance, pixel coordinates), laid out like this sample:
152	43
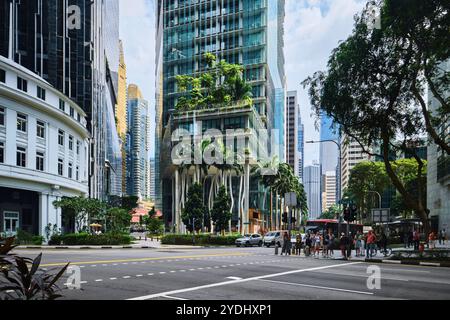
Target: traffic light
285	217
354	213
347	214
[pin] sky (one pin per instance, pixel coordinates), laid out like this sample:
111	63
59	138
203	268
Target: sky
313	28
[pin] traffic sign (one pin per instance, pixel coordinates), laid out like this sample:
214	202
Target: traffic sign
381	215
290	199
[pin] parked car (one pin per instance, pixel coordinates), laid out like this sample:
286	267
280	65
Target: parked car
250	240
273	237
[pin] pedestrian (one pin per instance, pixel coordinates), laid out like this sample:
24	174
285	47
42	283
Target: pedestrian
443	235
308	244
350	245
432	240
405	239
343	243
298	244
286	244
317	240
383	242
371	240
416	239
331	244
358	243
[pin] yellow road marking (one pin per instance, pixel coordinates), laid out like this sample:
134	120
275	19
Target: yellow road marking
143	259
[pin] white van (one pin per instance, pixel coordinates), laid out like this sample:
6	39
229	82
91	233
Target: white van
274	237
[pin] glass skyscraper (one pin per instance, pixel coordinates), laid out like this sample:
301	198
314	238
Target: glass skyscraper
246	32
79	57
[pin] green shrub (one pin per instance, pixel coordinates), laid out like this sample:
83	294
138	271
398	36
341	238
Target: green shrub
200	239
26	238
73	239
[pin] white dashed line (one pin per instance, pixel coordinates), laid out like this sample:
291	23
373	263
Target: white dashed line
99	280
150	274
112	278
126	277
162	273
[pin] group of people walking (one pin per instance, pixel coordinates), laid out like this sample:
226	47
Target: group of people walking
323	245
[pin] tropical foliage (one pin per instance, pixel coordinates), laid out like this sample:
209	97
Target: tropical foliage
22	279
192	214
375	80
219	86
221	212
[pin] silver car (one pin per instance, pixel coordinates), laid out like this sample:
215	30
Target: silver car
250	240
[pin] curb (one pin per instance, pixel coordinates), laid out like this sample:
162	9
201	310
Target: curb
82	248
411	263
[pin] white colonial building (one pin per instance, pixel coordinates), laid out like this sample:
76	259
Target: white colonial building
43	151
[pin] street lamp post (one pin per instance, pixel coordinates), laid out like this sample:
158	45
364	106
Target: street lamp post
339	195
339	165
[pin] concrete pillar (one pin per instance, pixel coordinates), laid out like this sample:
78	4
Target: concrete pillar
43	213
176	203
246	219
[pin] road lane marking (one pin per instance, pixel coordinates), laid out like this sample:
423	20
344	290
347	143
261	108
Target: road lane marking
150	274
318	287
112	278
139	275
157	259
126	277
99	280
231	282
174	298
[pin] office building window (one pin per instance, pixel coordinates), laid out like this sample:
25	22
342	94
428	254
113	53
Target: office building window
60	167
70	143
62	105
77	172
21	157
2	76
70	171
72	112
39	161
61	137
22	84
2	152
78	117
40	129
21	122
78	147
2	116
40	93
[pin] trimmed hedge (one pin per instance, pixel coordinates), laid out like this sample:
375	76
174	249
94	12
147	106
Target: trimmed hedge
200	239
25	238
89	239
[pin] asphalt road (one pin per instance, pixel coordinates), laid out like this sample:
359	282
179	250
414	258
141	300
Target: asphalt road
239	274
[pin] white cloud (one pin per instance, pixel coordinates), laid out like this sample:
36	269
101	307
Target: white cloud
313	29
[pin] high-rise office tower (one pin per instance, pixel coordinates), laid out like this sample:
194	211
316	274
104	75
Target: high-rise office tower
329	190
438	177
247	32
138	144
329	151
311	182
73	46
121	110
292	124
301	147
352	153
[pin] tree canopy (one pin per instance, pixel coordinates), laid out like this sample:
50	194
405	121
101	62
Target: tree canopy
376	78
